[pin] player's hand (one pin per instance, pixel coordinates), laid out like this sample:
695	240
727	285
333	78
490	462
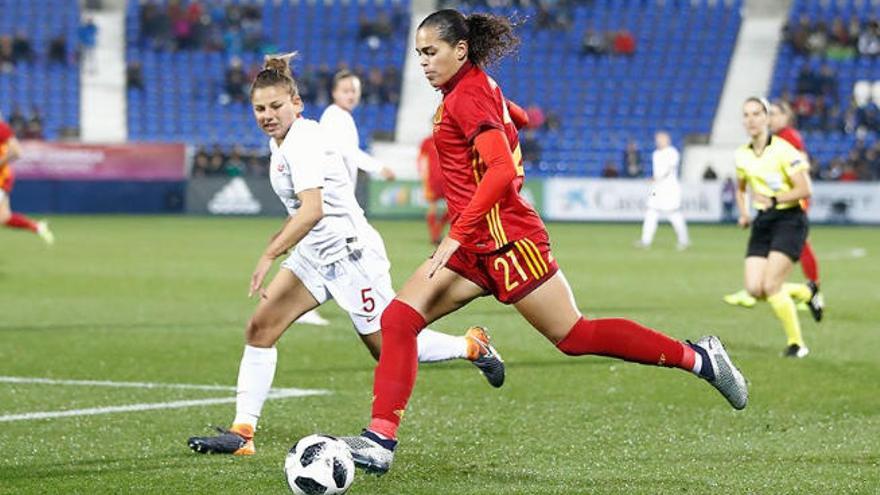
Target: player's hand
387	173
762	200
744	221
442	254
259	276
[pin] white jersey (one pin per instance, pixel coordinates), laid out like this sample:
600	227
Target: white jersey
305	160
666	191
340	127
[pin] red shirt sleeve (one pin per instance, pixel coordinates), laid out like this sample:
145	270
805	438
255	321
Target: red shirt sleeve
472	107
519	116
793	137
5	132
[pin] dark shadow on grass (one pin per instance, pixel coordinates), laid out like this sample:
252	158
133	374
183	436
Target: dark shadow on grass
88	467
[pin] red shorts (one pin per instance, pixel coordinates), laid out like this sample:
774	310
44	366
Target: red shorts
433	188
512	272
7	179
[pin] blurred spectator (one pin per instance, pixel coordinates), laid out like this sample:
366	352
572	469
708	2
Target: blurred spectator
553	122
392	84
87	36
728	199
17	120
624	43
817	40
632	162
593	43
257	166
7	61
610	170
235	166
869	39
552	16
58	50
201	163
536	116
217	161
22	50
234	82
797	35
807	82
134	76
33	129
531	147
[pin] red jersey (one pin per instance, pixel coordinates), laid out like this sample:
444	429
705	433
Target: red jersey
473	103
791	135
7	178
433	175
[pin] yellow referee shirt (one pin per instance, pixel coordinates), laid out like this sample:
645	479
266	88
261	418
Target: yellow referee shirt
770	172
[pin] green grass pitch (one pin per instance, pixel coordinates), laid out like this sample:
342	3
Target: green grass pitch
163	300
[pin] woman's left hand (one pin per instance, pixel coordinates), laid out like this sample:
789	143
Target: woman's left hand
762	200
442	254
259	275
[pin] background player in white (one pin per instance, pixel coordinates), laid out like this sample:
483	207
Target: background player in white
336	255
665	193
339	123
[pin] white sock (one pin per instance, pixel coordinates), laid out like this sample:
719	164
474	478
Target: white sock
435	346
649	227
255	375
698	363
681	230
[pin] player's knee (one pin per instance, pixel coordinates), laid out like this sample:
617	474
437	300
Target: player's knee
258	334
755	290
770	287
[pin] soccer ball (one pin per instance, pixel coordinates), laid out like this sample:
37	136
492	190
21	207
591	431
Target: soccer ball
319	465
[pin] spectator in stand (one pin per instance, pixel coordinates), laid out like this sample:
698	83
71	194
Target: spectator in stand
827	82
7	61
808	82
392	84
728	200
235	165
632	161
854	30
849	174
531	147
201	163
610	170
257	165
536	116
624	43
817	41
593	43
22	50
869	39
87	36
58	50
234	81
217	162
134	76
797	35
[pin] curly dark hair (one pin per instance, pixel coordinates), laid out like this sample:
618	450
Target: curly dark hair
490	38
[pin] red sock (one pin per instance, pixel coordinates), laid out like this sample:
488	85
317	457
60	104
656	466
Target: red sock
809	264
398	363
19	221
433	228
627	340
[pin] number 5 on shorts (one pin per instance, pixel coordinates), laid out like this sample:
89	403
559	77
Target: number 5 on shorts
369	302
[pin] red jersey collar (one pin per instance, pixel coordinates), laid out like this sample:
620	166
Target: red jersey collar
454	80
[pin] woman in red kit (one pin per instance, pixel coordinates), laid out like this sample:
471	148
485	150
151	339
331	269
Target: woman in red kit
497	243
10	150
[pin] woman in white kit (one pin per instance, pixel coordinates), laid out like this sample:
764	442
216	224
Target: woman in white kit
335	254
665	193
339	123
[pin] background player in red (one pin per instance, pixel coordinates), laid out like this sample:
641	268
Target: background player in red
497	243
10	150
782	125
432	184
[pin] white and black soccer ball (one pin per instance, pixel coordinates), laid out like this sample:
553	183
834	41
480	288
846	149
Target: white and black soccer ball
319	465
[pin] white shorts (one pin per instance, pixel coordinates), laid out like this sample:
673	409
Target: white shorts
2	195
360	284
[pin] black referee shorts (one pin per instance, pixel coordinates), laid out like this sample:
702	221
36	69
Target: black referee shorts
779	230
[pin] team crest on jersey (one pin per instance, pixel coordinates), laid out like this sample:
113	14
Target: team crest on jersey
280	166
438	115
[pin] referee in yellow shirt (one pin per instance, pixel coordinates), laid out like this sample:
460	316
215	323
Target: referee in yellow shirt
777	176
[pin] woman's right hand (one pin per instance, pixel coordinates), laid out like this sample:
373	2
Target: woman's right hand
744	221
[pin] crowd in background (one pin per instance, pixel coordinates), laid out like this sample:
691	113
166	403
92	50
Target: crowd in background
839	40
236	163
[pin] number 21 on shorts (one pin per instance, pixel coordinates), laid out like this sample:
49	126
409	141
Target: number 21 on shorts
501	264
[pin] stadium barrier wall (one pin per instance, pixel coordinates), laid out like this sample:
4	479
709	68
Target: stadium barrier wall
625	200
81	178
232	196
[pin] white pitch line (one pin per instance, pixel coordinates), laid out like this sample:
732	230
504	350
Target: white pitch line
107	383
854	253
279	393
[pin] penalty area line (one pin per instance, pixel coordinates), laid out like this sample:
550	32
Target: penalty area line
279	393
